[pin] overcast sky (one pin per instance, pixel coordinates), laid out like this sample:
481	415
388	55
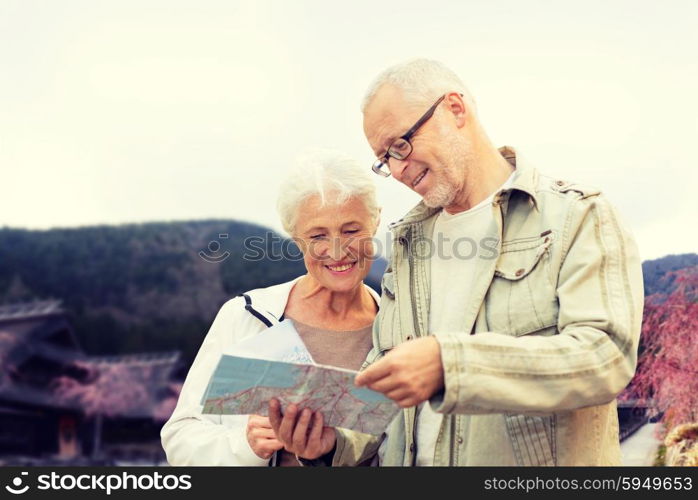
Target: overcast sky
133	111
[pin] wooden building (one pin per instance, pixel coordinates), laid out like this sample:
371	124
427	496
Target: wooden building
59	405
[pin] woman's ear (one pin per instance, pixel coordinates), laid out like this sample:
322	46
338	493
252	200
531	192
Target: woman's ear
378	221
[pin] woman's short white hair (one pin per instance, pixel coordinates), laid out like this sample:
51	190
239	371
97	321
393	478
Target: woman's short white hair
333	176
422	81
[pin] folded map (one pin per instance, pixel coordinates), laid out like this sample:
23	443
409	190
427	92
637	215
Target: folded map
243	386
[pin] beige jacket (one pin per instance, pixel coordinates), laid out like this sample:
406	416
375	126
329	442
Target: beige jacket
548	344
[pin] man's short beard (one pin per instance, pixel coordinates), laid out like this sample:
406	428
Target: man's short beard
445	190
441	195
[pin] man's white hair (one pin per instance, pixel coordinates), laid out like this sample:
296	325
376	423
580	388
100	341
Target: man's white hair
333	176
422	81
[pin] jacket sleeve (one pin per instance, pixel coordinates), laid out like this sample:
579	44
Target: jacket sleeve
593	356
354	447
192	438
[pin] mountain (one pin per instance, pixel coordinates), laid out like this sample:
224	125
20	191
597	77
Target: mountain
146	287
655	272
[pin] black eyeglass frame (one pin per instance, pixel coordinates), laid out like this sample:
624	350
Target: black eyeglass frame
383	161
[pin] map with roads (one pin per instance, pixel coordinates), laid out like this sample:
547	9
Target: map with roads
243	386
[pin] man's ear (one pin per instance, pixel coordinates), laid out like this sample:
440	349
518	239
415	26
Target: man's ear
456	105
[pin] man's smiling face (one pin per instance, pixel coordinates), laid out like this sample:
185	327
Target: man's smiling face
434	168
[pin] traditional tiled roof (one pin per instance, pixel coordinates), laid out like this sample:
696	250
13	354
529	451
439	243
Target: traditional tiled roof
29	310
133	385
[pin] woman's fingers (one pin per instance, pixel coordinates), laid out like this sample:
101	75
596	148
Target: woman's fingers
261	436
259	421
273	444
262	433
265	448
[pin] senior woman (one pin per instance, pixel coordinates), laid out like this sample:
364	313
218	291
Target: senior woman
328	205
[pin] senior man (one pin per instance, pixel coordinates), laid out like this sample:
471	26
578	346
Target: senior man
509	351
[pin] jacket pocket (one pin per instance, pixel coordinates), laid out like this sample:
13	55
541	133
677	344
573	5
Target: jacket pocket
533	439
521	298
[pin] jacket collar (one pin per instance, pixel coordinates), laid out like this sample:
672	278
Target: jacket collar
271	301
525	180
525	175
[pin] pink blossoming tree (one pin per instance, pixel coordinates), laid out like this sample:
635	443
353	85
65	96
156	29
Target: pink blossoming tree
667	375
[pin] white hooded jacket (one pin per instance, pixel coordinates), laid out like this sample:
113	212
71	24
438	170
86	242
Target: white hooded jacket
192	438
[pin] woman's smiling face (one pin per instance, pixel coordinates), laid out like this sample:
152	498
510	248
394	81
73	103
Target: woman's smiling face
336	241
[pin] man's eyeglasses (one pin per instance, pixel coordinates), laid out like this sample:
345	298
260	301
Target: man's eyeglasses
401	147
